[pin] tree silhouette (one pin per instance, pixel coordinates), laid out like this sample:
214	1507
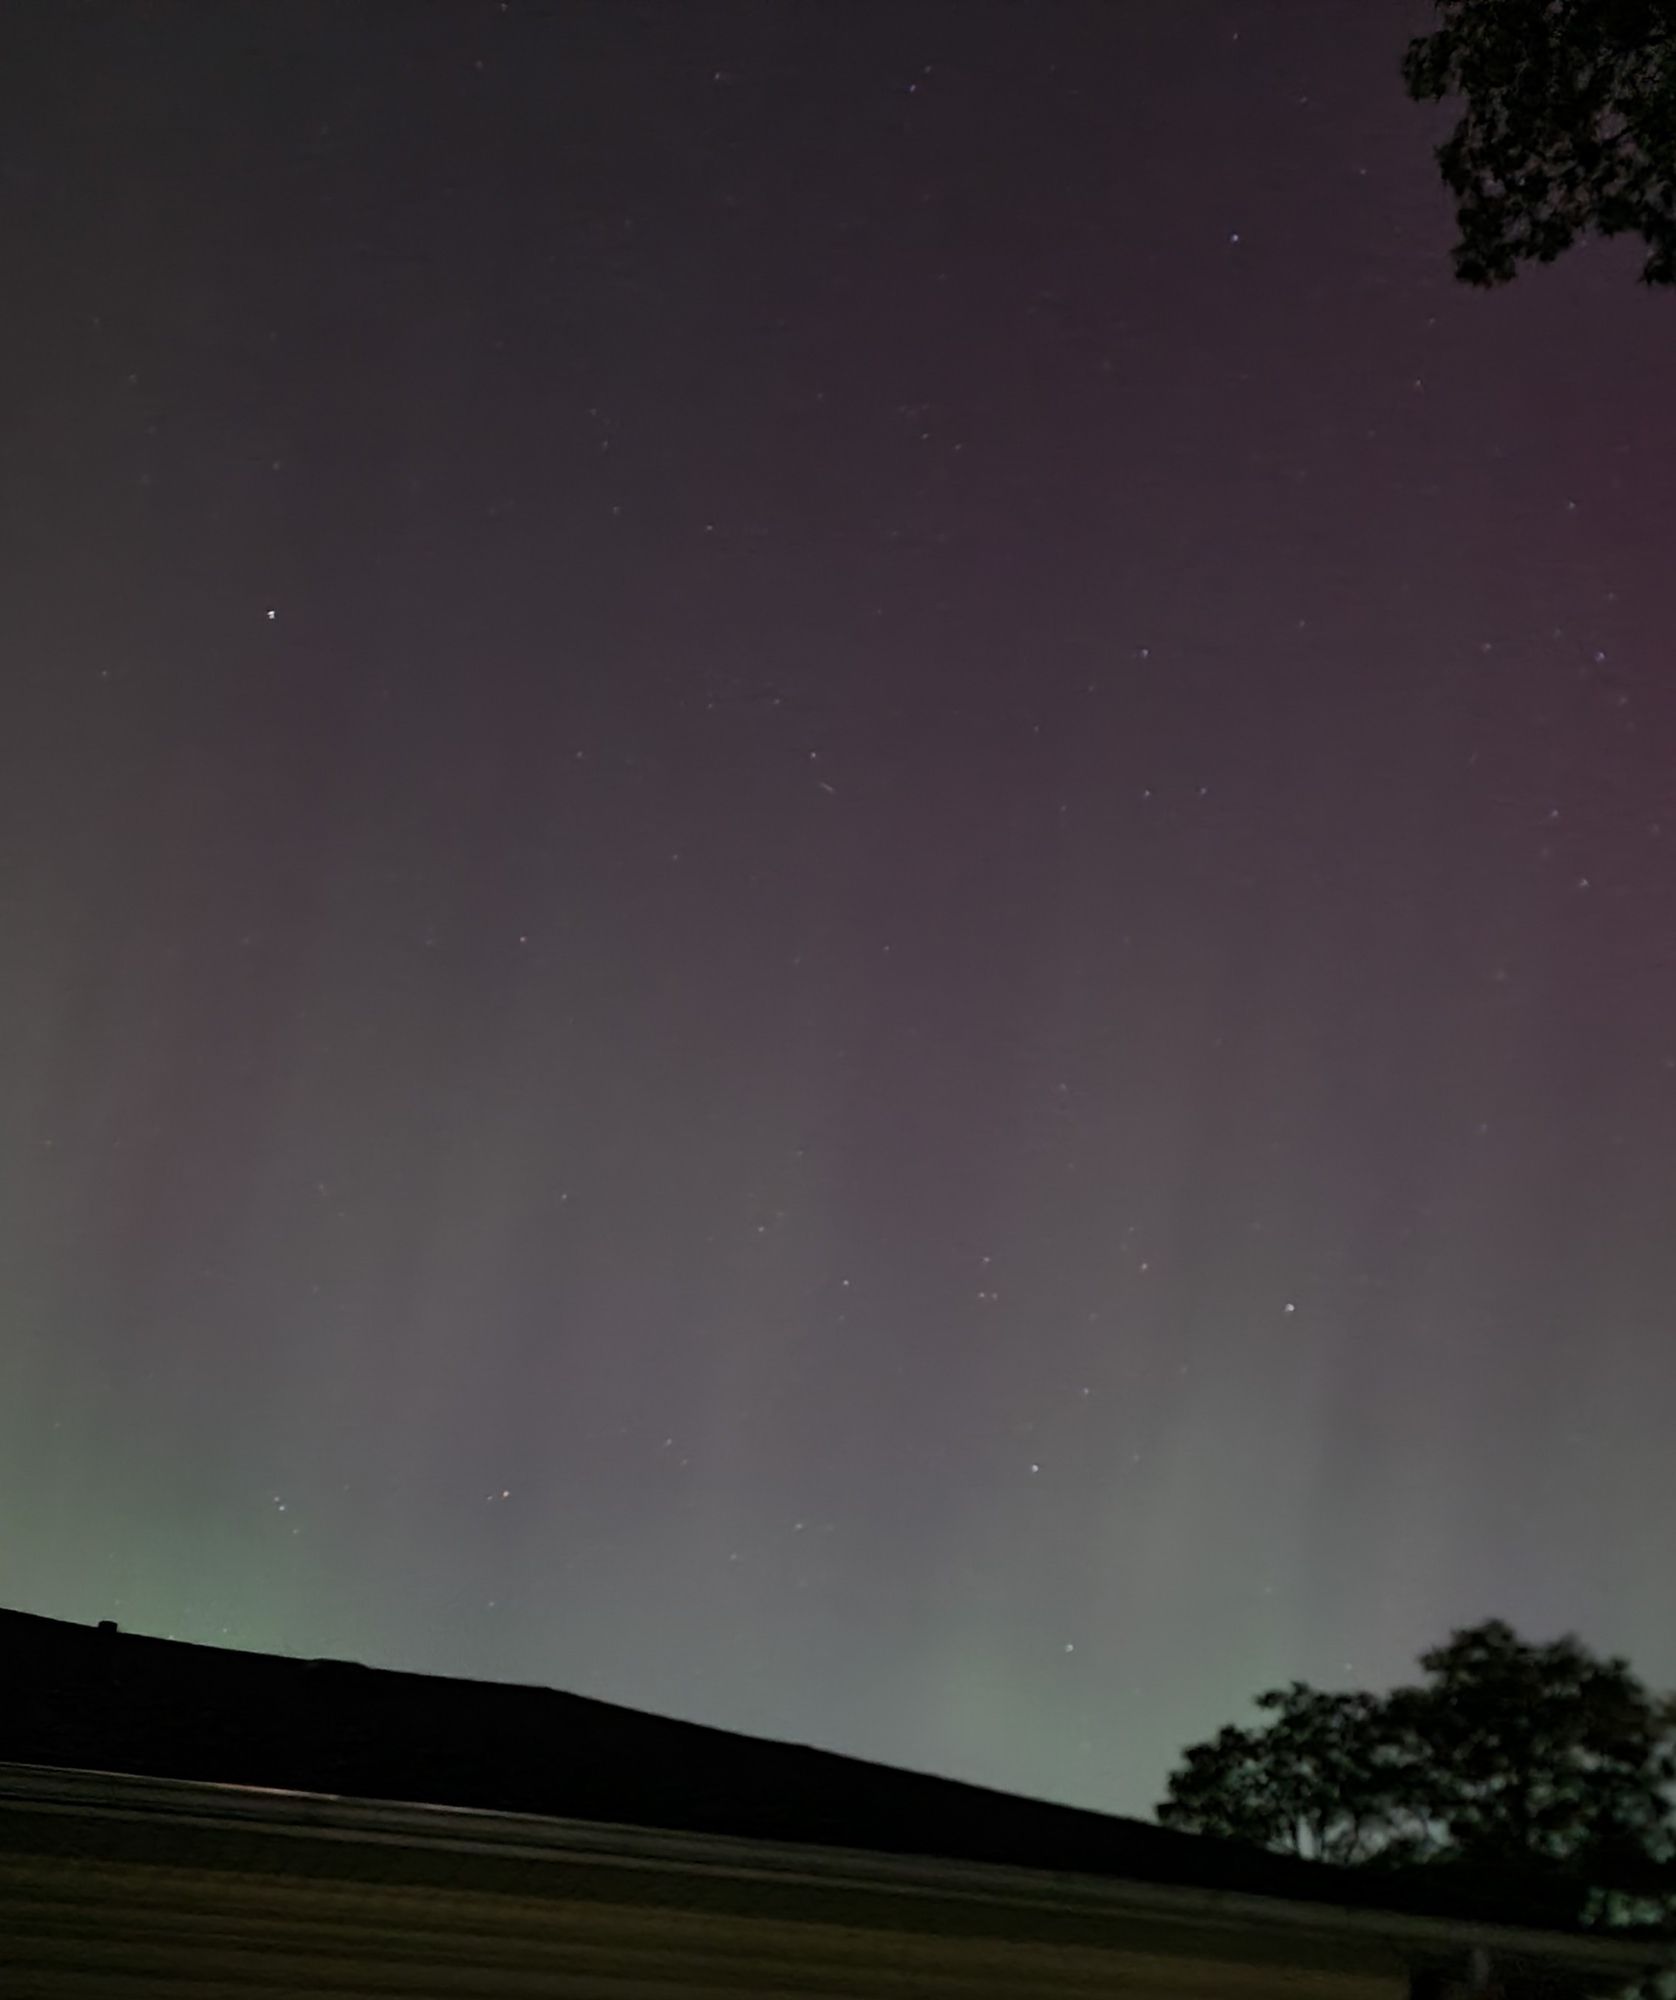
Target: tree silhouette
1326	1779
1569	129
1539	1769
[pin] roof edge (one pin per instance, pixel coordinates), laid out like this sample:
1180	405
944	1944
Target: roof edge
527	1837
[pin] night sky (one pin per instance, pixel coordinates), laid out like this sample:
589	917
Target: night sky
836	865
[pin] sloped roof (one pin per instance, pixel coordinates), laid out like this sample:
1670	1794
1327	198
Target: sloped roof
86	1698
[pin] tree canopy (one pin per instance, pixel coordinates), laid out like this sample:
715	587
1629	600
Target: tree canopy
1542	1767
1568	131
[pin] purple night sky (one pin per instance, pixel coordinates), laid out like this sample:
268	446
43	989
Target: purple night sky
836	865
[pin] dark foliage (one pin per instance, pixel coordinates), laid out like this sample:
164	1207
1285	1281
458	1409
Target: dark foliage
1569	128
1539	1769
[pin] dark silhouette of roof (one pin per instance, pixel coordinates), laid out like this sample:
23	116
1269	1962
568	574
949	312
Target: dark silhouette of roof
97	1699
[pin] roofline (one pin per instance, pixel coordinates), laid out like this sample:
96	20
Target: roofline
528	1837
